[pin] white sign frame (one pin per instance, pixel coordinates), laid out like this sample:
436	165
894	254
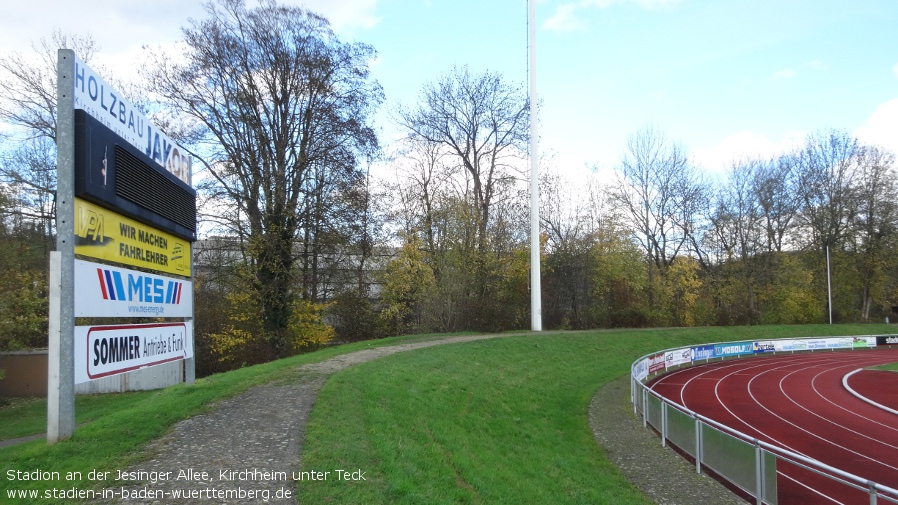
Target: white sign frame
108	291
101	351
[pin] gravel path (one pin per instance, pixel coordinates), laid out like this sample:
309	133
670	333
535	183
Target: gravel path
663	475
246	449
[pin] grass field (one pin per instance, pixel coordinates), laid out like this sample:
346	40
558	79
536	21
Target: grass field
497	421
494	421
891	367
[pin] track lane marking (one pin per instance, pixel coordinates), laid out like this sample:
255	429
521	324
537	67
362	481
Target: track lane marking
864	398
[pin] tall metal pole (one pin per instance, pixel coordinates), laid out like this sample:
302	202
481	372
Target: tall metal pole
60	356
829	288
536	316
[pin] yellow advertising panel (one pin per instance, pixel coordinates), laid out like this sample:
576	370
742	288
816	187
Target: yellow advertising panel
103	234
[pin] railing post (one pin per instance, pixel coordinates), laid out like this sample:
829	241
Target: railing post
698	444
663	423
759	473
872	487
645	402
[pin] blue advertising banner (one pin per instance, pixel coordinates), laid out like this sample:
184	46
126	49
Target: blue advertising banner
702	352
733	349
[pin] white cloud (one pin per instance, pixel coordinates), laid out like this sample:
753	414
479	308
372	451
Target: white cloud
814	65
881	128
645	4
565	18
895	70
743	145
345	15
784	74
656	4
116	25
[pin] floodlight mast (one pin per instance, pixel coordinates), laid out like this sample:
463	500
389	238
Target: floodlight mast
536	318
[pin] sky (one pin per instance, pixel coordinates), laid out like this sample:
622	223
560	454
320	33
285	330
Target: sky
724	78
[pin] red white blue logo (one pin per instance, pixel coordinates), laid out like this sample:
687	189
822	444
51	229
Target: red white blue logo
138	288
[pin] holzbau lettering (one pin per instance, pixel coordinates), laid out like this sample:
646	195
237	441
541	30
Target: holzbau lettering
100	100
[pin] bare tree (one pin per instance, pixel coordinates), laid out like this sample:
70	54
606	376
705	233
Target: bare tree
28	84
421	179
736	223
482	122
28	104
875	223
660	194
282	107
30	171
827	173
775	186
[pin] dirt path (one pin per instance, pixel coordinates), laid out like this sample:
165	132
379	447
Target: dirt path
249	445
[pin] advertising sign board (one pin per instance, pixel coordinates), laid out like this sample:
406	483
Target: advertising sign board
96	97
678	357
103	234
107	291
113	174
763	346
733	349
860	342
101	351
887	340
657	362
702	352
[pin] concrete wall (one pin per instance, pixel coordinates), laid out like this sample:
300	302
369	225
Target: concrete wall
26	375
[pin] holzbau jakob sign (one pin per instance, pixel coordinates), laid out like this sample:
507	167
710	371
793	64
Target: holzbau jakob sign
103	234
95	96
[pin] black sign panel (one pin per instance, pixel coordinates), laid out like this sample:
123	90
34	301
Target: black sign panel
112	173
887	340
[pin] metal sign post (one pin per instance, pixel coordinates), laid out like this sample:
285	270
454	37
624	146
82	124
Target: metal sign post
61	366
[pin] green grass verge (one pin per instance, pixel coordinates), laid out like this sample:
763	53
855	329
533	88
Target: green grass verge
891	367
498	421
495	421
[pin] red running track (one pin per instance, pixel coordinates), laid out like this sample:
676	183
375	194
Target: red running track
798	402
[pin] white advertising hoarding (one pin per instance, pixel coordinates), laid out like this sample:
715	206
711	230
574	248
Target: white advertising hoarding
107	291
678	356
101	351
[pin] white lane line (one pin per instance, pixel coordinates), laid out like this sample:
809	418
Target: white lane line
846	409
862	397
812	434
802	484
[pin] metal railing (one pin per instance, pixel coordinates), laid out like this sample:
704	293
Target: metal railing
745	462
